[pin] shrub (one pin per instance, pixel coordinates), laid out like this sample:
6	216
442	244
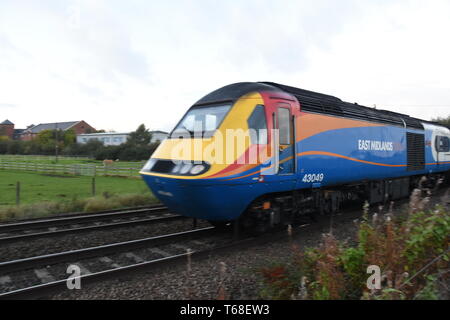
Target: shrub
410	253
94	204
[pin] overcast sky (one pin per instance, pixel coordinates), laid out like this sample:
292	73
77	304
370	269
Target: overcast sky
117	64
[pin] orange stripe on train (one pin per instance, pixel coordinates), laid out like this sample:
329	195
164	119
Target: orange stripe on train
312	124
324	153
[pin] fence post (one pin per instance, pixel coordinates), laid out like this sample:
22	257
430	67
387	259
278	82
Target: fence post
18	193
93	186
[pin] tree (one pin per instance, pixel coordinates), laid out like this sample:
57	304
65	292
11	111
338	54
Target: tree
443	120
47	140
69	137
140	137
88	149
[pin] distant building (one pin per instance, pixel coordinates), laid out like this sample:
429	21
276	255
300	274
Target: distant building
158	136
7	129
79	127
108	138
115	139
18	133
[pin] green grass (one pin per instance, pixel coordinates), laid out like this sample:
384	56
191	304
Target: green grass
39	187
65	160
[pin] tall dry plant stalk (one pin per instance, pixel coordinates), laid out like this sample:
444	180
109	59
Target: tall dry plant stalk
221	292
329	275
189	290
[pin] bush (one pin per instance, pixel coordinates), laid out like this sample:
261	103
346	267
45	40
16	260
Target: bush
125	152
410	253
93	204
94	149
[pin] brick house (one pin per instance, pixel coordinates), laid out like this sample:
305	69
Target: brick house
79	127
7	129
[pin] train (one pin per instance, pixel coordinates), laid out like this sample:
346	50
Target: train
263	154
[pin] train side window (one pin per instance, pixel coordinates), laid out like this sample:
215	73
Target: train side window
257	125
442	144
284	125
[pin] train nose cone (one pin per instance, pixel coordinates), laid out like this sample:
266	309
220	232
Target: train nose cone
200	199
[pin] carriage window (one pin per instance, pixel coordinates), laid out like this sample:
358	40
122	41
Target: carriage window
442	144
284	124
258	126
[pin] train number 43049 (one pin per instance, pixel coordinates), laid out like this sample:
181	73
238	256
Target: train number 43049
315	177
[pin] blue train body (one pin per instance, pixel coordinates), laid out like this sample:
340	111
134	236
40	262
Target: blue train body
327	150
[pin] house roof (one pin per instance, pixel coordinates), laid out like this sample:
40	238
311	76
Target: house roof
113	133
103	134
7	122
52	126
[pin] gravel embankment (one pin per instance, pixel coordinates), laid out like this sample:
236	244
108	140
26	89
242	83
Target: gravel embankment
50	245
240	280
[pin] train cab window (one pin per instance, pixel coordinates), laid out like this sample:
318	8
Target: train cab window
442	144
284	125
202	121
257	125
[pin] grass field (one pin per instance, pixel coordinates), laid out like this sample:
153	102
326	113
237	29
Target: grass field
66	160
36	187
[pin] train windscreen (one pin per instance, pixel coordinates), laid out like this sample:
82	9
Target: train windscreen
201	121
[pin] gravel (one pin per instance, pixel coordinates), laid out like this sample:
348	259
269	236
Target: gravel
231	276
207	276
50	245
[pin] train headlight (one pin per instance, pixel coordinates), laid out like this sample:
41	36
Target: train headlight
177	168
186	168
197	169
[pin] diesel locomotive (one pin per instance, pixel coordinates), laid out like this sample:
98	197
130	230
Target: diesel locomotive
266	154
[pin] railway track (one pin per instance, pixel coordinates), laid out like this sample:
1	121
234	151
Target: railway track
44	275
35	276
28	230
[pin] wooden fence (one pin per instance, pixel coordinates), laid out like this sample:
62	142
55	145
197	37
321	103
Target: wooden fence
74	169
26	158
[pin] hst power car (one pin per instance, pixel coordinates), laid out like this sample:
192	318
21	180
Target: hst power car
265	154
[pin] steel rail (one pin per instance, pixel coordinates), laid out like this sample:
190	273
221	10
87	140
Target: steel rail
28	225
156	264
74	255
30	236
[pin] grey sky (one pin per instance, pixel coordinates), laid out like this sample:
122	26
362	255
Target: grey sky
117	64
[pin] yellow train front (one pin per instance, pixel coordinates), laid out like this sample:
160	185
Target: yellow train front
218	159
